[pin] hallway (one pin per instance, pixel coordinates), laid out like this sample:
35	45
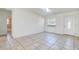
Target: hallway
40	41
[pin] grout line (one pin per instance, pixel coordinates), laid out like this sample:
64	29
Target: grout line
38	39
27	45
15	40
20	44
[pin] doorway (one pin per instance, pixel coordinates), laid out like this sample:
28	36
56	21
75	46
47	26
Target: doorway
9	24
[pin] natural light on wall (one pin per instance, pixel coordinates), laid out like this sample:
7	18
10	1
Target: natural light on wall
69	25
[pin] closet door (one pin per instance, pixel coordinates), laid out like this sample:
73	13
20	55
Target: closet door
77	26
69	25
3	25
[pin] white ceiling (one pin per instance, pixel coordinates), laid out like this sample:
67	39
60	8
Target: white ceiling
52	10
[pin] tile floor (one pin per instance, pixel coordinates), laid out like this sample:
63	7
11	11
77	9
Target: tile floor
40	41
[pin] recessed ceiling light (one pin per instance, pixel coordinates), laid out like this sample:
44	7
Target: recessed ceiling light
46	9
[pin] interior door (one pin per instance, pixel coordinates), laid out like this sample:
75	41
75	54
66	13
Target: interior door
69	25
77	26
9	24
3	26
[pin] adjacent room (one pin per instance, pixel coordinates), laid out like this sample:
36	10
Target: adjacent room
39	28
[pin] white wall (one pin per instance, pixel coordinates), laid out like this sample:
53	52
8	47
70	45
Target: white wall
25	22
60	22
3	21
77	25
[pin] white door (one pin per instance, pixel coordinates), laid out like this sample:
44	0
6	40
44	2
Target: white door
3	25
69	25
77	26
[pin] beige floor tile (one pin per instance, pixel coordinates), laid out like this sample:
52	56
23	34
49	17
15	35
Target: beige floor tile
76	43
18	47
40	41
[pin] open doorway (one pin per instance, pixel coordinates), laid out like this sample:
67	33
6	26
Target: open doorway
9	24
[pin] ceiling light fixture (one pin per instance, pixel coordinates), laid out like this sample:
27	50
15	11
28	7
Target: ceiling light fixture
46	9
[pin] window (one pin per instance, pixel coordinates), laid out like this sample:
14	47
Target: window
51	22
